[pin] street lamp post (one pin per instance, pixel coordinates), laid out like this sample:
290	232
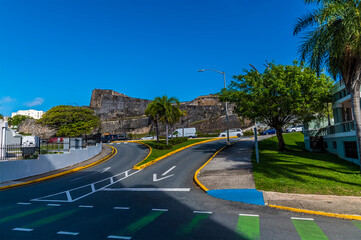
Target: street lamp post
226	103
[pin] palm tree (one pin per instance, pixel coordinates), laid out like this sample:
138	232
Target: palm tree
152	112
334	41
167	111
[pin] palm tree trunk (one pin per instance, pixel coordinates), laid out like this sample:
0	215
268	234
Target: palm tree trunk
356	111
281	141
166	132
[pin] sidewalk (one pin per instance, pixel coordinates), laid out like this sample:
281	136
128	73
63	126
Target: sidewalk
229	176
106	151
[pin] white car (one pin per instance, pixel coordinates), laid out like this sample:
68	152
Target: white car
232	133
298	128
148	138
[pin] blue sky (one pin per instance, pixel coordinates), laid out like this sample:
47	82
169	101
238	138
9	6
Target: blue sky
56	52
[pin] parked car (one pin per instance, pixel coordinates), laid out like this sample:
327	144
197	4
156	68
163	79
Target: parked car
232	133
269	132
148	138
298	128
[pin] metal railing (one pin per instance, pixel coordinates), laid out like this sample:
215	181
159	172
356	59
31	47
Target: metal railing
339	128
46	146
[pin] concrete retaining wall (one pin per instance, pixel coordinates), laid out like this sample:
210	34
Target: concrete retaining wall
12	170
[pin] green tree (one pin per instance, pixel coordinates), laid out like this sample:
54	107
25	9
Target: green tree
70	121
279	96
333	40
167	111
17	120
1	116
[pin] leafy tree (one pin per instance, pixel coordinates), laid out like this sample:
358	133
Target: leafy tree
1	116
70	121
17	120
279	96
334	41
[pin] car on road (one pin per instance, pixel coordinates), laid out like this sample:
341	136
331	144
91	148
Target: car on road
232	133
269	132
298	128
148	138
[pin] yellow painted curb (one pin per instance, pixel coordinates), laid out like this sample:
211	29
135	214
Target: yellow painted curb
114	152
169	154
195	177
196	174
336	215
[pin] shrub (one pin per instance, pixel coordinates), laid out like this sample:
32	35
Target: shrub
179	140
162	146
248	133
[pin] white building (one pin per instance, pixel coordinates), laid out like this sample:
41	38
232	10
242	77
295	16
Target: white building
31	113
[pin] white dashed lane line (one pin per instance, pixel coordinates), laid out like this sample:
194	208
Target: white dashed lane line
118	237
121	208
23	229
160	210
67	233
204	212
54	205
23	203
306	219
85	206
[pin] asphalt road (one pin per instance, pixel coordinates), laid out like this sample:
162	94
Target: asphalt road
114	201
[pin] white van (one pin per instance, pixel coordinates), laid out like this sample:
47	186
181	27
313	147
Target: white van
188	132
232	133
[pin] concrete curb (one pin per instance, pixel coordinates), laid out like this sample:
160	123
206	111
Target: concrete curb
104	159
168	154
336	215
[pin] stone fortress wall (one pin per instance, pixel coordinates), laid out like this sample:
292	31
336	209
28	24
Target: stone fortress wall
122	114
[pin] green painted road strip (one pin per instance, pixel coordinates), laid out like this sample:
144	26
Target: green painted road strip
22	214
248	227
308	230
357	224
140	223
51	219
196	223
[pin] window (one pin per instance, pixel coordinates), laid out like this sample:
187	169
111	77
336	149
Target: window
351	149
334	143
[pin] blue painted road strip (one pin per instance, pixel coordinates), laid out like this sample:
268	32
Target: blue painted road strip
251	196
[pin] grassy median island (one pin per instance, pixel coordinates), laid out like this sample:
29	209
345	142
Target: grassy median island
299	171
156	153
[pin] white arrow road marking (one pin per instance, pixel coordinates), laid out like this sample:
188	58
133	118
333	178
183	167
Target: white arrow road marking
168	171
155	179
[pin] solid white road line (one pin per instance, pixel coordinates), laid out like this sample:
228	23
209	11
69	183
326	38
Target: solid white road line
202	212
86	206
248	215
118	237
23	229
146	189
23	203
54	205
160	210
297	218
121	208
67	233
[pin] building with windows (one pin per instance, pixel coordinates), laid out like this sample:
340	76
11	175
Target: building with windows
340	137
31	113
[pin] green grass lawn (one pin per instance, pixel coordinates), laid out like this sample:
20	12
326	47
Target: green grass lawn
159	153
299	171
